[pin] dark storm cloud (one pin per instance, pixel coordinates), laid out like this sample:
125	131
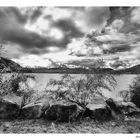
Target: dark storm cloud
68	27
36	14
15	13
12	12
90	18
12	23
125	14
25	38
119	13
12	30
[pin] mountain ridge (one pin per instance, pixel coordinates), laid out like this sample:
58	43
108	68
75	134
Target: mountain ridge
8	66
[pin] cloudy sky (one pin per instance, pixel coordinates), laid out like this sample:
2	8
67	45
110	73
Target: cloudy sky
41	36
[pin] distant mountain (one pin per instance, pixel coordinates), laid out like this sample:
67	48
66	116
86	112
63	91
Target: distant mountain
85	70
7	65
72	70
131	70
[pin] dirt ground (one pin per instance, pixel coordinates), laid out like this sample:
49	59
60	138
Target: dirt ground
86	126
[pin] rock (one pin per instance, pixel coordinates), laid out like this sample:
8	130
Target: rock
102	114
14	98
33	110
113	105
85	113
115	110
122	109
127	108
99	112
8	109
62	113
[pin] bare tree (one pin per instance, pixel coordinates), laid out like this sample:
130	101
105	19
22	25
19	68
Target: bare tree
81	91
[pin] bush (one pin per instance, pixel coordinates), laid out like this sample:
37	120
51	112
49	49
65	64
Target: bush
11	85
81	91
135	91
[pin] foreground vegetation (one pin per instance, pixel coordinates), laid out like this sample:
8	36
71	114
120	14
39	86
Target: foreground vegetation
85	126
64	108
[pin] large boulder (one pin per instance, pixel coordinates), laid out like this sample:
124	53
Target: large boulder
127	108
33	110
122	109
113	105
62	113
99	112
8	109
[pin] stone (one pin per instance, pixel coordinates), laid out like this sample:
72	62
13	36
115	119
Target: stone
113	105
33	110
122	109
127	108
62	113
8	109
99	112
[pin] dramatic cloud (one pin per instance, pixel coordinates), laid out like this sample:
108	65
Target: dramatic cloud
135	15
77	33
117	24
95	17
120	38
37	29
100	18
36	13
45	59
33	61
12	30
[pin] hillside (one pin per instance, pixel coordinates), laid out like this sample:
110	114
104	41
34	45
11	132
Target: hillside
131	70
7	65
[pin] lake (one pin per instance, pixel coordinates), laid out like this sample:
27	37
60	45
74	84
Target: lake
123	82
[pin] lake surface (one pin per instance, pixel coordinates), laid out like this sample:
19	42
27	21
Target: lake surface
123	82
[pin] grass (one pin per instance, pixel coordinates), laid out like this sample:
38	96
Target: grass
85	126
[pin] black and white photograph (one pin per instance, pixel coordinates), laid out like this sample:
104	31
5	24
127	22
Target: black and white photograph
70	69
